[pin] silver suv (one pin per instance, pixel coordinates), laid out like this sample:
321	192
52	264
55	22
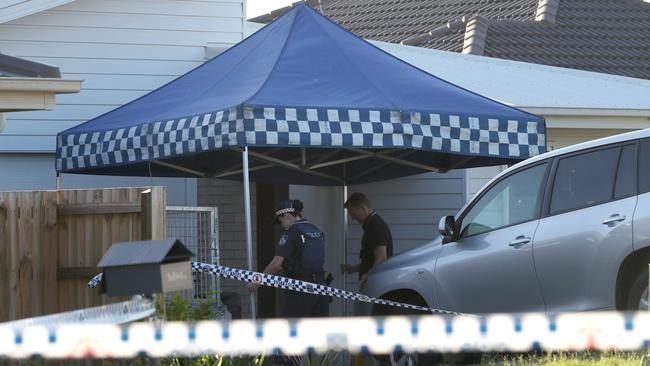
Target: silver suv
568	230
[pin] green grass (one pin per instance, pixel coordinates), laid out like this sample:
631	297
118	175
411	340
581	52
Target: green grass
568	359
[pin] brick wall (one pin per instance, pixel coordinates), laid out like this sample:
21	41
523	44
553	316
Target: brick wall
228	196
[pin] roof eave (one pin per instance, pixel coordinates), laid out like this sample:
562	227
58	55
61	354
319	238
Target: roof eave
588	111
24	8
52	85
30	94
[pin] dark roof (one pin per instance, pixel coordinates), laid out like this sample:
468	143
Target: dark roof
143	252
609	36
19	67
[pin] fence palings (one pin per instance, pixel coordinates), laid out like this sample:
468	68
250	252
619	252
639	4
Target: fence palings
50	241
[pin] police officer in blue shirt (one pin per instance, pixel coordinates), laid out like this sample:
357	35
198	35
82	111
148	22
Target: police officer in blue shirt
299	254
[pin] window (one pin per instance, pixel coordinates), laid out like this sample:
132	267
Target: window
584	180
513	200
644	166
626	176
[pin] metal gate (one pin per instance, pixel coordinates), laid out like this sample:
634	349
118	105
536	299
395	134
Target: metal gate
198	229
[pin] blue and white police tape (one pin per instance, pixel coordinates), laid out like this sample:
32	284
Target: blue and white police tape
462	333
292	284
118	313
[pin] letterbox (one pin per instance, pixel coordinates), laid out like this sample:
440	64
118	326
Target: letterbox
146	267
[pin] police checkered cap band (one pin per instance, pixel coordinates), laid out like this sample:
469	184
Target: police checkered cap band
284	211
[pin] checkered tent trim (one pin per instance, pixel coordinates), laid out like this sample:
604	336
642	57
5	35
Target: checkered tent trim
300	127
290	284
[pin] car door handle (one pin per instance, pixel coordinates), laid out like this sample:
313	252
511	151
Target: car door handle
519	241
614	218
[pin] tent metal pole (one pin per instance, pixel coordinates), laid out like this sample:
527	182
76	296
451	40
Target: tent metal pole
345	247
249	230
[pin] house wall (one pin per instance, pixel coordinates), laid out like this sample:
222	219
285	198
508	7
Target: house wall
122	49
563	137
27	172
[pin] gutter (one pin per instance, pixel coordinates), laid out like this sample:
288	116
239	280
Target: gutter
52	85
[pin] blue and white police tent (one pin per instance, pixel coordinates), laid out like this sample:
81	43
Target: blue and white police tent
307	102
314	104
146	267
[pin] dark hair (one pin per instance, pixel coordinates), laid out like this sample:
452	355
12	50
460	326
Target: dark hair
357	200
297	206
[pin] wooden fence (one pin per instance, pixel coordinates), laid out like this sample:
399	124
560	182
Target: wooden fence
51	241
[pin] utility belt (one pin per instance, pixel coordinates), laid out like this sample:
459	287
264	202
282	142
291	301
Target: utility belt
318	277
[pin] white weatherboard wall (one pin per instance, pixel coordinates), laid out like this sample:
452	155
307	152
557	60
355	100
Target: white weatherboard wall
122	49
27	172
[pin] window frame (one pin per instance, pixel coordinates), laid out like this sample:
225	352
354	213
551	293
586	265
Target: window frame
541	193
635	164
638	165
546	211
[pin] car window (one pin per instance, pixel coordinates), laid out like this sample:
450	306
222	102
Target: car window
626	175
513	200
584	180
644	166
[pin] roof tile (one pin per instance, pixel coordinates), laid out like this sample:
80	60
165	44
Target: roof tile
610	36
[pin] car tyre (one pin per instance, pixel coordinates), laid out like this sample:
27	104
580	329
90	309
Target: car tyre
637	296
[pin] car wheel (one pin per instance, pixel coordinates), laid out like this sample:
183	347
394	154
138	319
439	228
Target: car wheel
637	296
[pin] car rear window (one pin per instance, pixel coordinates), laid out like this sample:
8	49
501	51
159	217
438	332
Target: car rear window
644	166
584	180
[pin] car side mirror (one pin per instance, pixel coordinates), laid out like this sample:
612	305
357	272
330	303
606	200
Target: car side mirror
446	228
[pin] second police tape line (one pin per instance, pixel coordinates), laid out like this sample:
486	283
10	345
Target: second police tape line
117	313
292	284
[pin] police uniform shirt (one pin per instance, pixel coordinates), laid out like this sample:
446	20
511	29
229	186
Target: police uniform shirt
286	248
290	247
375	234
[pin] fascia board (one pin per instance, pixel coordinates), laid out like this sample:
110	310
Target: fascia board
55	85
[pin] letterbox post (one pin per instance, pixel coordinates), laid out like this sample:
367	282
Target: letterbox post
146	215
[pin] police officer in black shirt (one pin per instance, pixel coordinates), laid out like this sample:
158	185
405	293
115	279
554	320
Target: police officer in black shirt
377	240
299	254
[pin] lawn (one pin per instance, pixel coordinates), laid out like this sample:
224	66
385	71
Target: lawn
570	359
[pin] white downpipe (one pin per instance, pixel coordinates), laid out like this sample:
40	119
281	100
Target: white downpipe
249	230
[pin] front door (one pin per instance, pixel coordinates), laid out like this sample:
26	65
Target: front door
489	268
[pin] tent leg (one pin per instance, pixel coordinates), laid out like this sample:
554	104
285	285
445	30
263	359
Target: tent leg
249	231
345	247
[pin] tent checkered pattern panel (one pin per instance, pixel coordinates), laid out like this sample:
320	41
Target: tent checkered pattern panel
301	127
